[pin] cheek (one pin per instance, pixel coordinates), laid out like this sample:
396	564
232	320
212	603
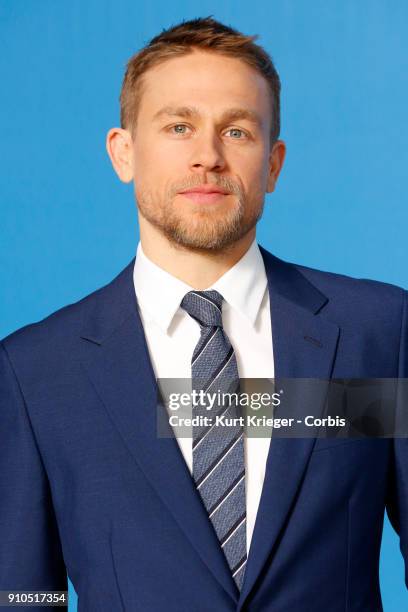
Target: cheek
158	162
250	161
254	176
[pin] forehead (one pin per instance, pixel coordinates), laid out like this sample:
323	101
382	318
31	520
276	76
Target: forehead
206	81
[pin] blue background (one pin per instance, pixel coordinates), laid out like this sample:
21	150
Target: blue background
68	225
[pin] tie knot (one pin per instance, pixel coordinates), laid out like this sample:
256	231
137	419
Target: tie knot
204	306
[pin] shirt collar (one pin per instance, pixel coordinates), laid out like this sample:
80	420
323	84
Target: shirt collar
159	293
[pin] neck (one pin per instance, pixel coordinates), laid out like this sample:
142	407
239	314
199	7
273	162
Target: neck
198	268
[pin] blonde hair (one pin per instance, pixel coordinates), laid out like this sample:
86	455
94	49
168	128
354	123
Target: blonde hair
204	34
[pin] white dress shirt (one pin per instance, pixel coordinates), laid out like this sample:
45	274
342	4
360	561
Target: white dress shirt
171	336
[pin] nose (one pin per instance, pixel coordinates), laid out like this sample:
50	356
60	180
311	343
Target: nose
207	154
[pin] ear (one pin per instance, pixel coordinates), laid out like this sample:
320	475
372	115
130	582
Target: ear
119	146
276	159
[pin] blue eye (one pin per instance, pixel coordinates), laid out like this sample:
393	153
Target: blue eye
180	128
234	132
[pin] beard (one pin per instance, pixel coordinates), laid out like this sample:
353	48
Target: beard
210	228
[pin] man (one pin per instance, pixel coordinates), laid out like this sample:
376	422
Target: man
143	522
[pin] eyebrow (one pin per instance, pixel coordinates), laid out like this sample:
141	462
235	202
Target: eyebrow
190	112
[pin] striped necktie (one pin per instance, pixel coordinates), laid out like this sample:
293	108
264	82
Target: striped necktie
218	453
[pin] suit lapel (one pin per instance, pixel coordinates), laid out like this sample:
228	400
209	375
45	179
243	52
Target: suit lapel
116	358
304	346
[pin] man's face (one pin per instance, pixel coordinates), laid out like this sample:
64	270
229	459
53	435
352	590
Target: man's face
203	122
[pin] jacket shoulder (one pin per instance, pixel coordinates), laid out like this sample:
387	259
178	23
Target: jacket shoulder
64	325
363	299
335	284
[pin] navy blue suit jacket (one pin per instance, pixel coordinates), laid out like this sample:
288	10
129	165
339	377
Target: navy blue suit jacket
87	487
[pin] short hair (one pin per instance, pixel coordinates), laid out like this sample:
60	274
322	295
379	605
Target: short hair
205	34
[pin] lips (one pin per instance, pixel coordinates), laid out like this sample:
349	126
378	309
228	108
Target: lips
205	189
203	197
205	194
